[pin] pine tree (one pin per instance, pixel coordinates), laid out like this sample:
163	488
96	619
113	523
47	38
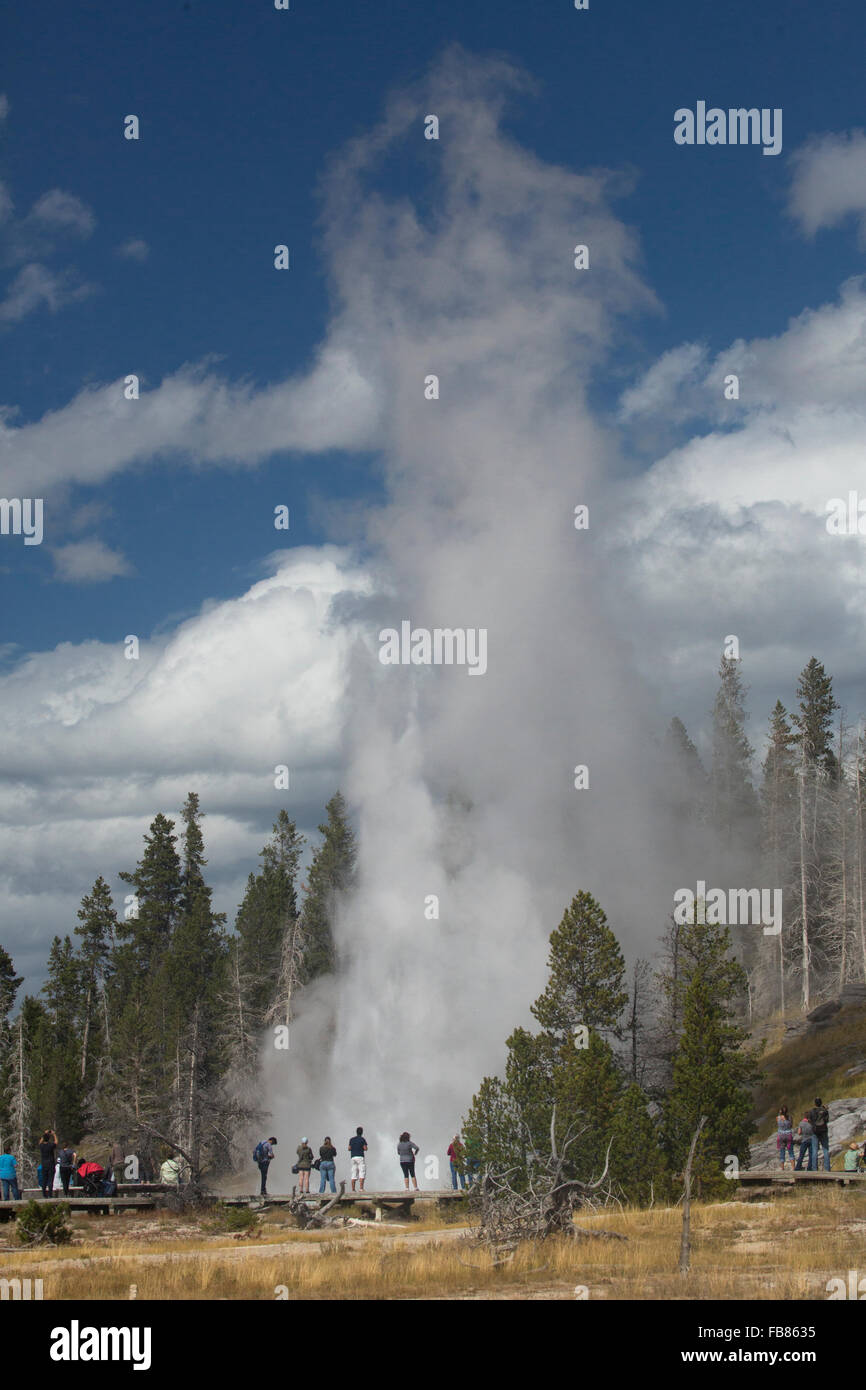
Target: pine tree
733	799
685	776
331	874
779	831
194	980
814	721
63	1095
636	1159
817	772
9	985
265	918
713	1070
587	972
588	1087
98	932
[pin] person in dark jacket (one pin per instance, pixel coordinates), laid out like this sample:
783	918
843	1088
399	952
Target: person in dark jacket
305	1163
66	1163
820	1118
406	1151
327	1166
47	1158
266	1155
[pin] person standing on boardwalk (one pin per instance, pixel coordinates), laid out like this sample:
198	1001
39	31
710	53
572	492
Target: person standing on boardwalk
357	1150
820	1117
47	1155
457	1159
9	1174
305	1163
785	1135
66	1163
327	1166
808	1142
263	1155
406	1151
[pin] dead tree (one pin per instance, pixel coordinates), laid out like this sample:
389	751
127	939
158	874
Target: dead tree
686	1240
507	1215
311	1218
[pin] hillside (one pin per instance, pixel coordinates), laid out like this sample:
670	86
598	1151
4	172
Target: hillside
824	1056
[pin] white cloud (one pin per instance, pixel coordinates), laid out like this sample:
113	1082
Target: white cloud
65	212
36	286
88	562
829	181
136	249
194	412
92	744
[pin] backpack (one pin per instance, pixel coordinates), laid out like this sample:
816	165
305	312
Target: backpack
822	1117
259	1152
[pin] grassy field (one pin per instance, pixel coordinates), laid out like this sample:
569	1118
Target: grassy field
786	1248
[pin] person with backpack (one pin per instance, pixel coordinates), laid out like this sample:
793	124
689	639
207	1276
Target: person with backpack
357	1151
263	1154
66	1164
406	1151
305	1163
820	1117
47	1156
785	1135
808	1142
9	1174
327	1165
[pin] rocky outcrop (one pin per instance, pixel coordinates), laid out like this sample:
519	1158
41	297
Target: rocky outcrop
847	1121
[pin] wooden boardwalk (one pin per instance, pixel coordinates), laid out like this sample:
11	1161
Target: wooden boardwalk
92	1204
751	1177
365	1198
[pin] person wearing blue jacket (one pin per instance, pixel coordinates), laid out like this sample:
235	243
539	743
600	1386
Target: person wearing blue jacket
9	1174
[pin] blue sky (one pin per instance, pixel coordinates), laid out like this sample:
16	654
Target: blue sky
242	106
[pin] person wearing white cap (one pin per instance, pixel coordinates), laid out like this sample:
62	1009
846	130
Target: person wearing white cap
305	1163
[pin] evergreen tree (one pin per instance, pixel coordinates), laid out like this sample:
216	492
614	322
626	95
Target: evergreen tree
268	910
814	721
587	973
636	1159
779	821
63	1094
685	776
588	1086
733	799
713	1070
98	931
332	873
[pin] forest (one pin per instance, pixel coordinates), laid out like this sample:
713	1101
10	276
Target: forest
151	1022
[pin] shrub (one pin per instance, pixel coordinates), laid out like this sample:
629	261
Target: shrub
44	1223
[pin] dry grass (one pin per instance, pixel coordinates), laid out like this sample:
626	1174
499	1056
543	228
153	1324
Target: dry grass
787	1248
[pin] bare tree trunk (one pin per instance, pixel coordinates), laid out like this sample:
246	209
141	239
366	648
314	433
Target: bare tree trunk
842	830
86	1033
861	906
804	904
686	1240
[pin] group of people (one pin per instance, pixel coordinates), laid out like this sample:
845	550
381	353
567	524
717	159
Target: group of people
462	1169
813	1135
